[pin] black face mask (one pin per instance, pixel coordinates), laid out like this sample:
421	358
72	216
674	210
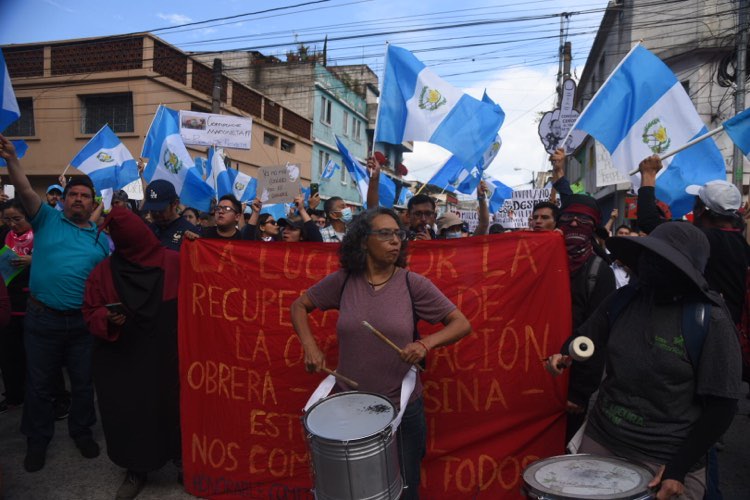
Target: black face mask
663	277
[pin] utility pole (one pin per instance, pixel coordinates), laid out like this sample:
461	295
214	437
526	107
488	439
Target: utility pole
216	97
561	70
739	96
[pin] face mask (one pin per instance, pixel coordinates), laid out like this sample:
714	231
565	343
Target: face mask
346	214
449	235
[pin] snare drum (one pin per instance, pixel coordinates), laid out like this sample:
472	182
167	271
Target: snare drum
586	476
353	450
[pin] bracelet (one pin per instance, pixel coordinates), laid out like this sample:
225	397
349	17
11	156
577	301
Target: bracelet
426	349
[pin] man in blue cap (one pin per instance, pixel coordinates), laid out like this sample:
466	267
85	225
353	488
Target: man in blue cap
54	193
161	202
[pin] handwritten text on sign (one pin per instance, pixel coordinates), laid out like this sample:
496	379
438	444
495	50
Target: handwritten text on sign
205	129
491	408
278	184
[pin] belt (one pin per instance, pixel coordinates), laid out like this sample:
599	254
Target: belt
58	312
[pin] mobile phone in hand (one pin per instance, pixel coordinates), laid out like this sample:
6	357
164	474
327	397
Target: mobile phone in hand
116	307
314	187
9	190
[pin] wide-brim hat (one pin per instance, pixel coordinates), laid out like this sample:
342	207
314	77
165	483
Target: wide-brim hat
681	243
449	219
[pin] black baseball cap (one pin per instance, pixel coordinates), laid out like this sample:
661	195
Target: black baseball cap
159	194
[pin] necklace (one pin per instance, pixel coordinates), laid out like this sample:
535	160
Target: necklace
375	285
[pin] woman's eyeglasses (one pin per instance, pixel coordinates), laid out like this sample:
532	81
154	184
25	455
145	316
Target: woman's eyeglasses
388	234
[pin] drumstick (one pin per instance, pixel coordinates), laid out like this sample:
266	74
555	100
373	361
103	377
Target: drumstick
385	339
347	380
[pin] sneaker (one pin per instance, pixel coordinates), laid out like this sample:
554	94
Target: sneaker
88	447
62	408
34	460
131	486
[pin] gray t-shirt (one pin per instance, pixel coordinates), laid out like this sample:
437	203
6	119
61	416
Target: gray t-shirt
647	403
362	356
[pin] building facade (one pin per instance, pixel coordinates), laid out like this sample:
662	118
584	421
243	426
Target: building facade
67	90
334	103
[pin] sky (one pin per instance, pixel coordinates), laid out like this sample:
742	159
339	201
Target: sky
508	47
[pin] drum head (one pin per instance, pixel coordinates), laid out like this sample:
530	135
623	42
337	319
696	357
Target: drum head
587	476
349	415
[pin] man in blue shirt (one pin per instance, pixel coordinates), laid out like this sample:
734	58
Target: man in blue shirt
66	249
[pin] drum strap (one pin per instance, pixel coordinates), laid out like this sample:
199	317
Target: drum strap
407	387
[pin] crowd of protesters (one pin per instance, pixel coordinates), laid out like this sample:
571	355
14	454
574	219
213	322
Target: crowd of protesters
95	294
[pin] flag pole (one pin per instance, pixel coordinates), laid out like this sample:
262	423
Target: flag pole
375	132
573	127
695	141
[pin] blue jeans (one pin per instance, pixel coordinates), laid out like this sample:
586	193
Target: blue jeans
412	445
51	341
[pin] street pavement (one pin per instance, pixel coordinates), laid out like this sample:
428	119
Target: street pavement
69	476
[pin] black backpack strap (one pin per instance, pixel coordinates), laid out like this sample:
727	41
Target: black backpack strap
621	299
414	317
343	285
596	264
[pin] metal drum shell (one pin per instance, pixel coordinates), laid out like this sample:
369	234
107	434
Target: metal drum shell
366	468
538	492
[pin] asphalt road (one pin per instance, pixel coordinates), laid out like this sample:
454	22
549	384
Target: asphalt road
67	475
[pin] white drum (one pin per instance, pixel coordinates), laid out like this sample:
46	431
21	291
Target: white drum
353	450
586	477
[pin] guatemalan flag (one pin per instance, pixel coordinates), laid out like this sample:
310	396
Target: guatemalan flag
454	176
498	193
328	171
168	159
386	187
107	161
641	110
228	180
417	105
9	111
738	129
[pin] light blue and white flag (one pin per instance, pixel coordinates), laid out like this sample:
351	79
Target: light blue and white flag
417	105
738	129
641	110
225	180
278	210
386	186
328	171
169	159
9	111
243	185
106	161
498	193
404	196
21	148
200	165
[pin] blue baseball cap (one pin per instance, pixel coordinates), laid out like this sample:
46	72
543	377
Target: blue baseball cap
55	187
159	194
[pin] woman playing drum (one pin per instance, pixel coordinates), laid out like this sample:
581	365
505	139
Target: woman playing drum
372	285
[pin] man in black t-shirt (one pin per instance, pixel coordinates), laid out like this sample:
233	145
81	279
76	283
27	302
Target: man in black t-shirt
162	202
227	216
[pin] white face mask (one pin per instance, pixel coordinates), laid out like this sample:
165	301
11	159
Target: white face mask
449	235
346	214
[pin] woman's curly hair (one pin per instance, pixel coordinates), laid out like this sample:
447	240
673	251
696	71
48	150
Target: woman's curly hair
353	252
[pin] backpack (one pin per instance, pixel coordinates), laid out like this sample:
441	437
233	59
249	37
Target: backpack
696	318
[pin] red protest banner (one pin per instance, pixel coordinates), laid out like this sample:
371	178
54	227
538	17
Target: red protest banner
491	408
